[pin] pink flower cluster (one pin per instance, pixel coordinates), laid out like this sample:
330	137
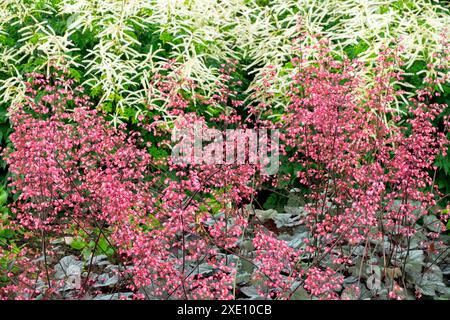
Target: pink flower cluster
323	283
367	170
277	266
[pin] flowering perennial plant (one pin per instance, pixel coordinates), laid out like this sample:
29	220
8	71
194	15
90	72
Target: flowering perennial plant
183	230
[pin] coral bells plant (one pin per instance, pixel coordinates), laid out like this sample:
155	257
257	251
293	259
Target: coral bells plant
366	169
69	167
367	224
68	162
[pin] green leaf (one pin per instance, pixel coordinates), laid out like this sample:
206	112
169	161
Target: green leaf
165	37
78	244
7	234
3	197
104	247
86	253
75	74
